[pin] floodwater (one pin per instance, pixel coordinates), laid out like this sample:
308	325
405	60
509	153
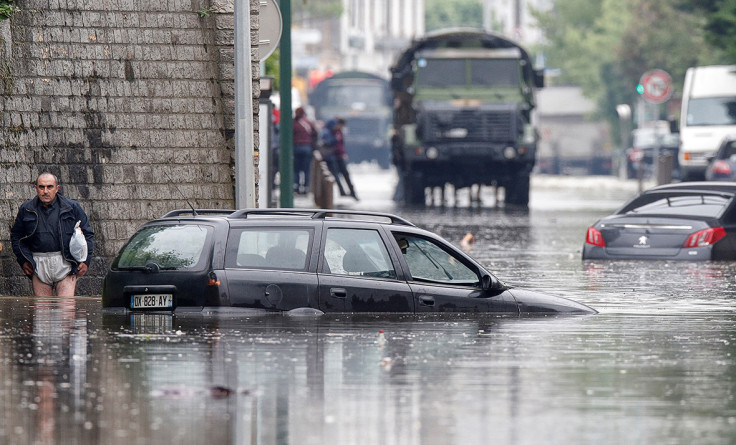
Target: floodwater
656	365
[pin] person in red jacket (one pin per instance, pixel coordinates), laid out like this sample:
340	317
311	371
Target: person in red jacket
305	136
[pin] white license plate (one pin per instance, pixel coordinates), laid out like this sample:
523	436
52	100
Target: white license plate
147	301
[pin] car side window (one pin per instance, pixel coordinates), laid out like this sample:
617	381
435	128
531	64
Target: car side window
358	252
268	248
429	262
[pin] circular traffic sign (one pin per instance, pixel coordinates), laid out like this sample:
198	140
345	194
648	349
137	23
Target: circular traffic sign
270	27
657	86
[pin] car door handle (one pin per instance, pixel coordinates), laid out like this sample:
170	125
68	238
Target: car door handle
338	292
426	300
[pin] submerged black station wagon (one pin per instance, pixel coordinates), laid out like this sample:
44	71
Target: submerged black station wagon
290	259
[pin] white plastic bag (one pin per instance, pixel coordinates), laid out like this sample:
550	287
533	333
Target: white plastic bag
78	244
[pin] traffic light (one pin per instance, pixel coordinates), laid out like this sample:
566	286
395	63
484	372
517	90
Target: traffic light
640	89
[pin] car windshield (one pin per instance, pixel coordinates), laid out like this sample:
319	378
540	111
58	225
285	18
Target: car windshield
168	246
692	204
429	262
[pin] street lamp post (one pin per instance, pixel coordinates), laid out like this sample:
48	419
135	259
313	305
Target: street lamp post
286	137
245	177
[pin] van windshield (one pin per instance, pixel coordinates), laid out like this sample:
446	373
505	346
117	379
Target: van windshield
712	111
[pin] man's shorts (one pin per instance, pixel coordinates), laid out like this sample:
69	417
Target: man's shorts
51	267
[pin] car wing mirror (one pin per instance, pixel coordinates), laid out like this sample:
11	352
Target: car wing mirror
486	281
489	282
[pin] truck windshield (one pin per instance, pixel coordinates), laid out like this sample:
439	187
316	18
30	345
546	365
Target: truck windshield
356	96
467	72
712	111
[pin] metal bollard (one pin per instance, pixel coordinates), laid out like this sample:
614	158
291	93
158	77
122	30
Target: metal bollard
665	166
321	182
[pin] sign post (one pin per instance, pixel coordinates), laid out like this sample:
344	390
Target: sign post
656	88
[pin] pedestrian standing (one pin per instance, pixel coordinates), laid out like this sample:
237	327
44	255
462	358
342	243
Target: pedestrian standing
41	235
305	138
336	156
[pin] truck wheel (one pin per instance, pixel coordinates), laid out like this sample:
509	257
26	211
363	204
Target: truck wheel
517	191
414	192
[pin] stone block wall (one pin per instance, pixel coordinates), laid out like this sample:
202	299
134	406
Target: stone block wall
129	102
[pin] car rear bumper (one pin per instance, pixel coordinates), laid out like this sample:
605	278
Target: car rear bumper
591	252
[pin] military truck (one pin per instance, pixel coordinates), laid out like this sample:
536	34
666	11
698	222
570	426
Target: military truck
463	106
364	101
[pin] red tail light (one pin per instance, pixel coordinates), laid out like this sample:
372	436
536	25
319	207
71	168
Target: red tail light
595	237
721	167
705	237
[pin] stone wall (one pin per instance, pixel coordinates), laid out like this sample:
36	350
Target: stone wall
129	102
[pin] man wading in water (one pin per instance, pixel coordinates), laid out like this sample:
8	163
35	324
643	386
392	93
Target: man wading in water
41	235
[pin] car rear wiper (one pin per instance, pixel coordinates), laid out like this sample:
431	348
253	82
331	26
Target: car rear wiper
142	268
150	267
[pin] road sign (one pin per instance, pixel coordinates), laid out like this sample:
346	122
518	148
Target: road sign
270	27
656	85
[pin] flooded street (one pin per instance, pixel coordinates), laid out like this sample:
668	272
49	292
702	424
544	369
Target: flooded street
656	365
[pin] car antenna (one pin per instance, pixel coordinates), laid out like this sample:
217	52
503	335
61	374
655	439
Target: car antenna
194	212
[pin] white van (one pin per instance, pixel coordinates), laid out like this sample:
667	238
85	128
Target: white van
708	115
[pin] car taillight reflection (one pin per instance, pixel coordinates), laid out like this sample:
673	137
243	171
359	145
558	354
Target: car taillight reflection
595	237
721	167
704	237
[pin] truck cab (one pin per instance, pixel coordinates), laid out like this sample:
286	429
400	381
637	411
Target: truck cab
463	114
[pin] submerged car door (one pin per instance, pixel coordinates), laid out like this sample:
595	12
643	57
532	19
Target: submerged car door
358	274
271	267
442	279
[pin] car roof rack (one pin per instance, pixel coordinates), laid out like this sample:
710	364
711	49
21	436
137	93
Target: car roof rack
197	212
319	214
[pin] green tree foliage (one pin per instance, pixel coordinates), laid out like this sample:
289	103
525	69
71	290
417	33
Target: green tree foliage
7	9
719	24
272	67
606	46
315	9
458	13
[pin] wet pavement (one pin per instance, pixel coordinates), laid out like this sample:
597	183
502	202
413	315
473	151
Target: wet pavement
656	365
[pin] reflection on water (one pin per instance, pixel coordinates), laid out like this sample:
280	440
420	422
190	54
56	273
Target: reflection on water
656	365
73	375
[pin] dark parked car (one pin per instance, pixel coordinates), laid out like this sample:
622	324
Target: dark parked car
723	166
323	260
685	221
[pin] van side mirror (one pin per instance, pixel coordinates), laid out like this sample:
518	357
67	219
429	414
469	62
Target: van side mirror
674	126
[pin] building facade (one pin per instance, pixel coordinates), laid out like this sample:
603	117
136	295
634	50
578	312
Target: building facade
130	103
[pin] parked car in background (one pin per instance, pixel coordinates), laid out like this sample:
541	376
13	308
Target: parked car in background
320	260
723	166
685	221
648	142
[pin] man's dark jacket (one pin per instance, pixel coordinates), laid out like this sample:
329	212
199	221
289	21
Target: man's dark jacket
26	224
